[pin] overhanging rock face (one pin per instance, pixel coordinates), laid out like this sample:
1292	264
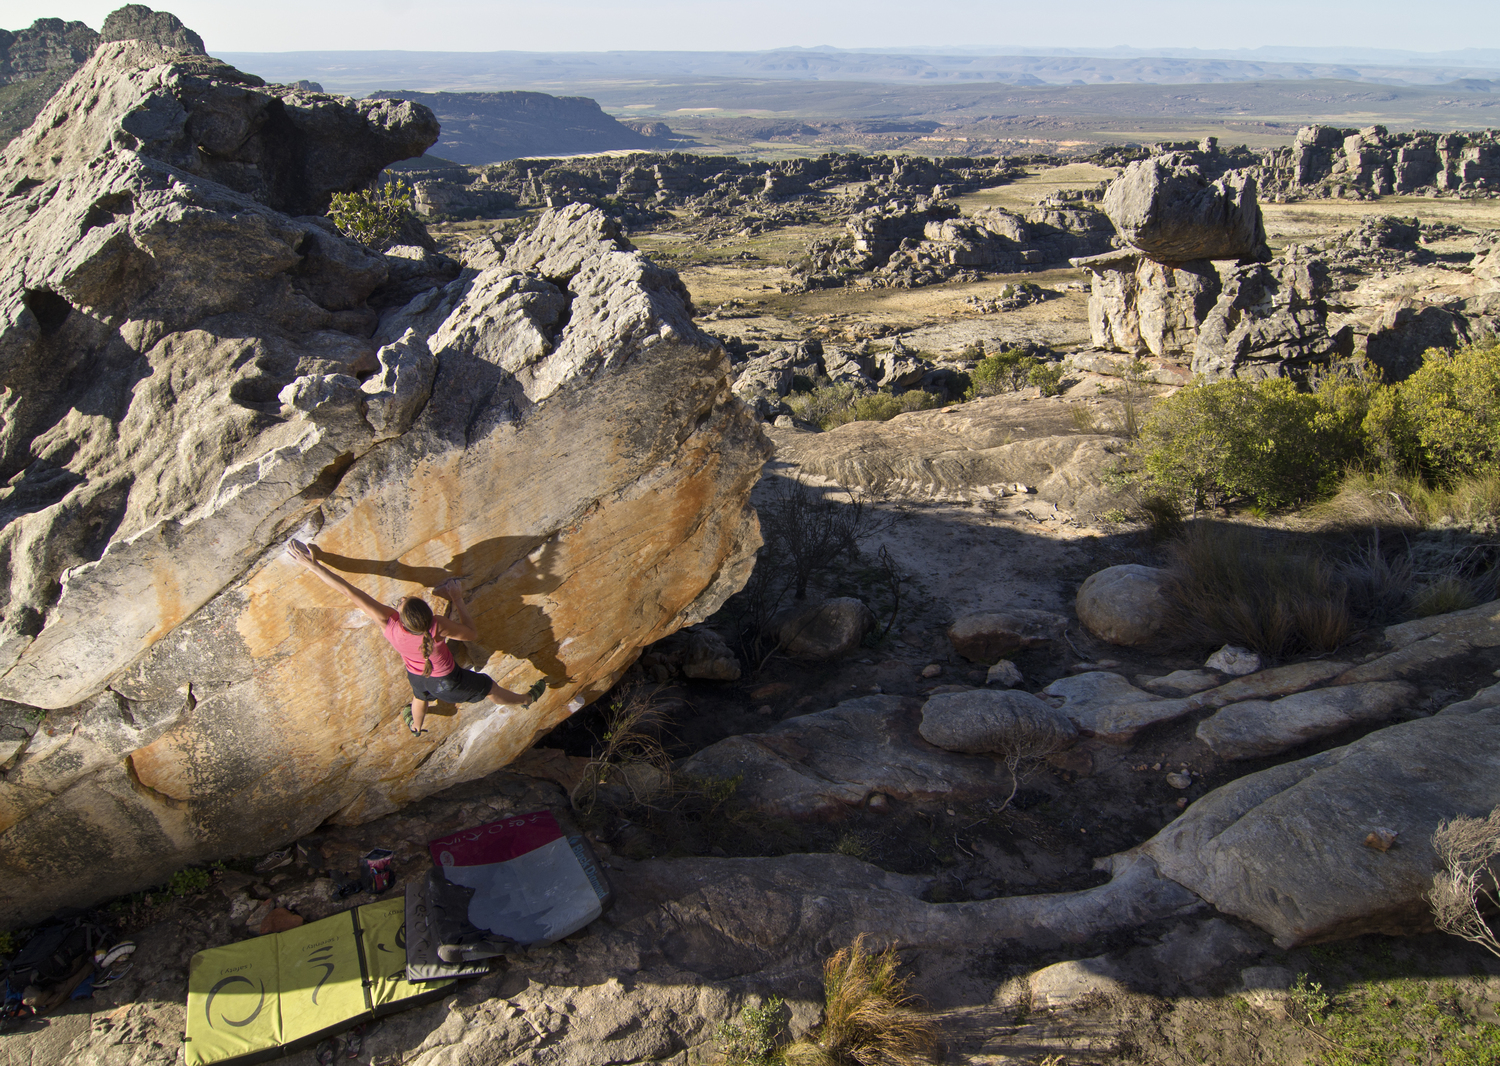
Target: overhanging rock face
195	376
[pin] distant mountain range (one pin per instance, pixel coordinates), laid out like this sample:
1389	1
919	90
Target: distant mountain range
362	72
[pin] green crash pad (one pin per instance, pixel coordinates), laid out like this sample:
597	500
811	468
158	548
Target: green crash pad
259	998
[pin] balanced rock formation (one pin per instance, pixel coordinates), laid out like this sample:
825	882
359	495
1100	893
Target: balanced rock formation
193	376
1174	212
1192	283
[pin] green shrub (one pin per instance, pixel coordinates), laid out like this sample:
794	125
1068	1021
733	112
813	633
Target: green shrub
7	945
837	405
820	403
372	216
1444	421
1005	371
189	880
1264	441
755	1039
1047	377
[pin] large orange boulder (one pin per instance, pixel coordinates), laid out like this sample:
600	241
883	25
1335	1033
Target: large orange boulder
194	376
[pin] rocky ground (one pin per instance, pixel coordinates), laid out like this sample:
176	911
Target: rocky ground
1018	939
1087	902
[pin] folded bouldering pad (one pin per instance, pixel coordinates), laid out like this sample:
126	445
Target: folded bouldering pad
256	999
514	883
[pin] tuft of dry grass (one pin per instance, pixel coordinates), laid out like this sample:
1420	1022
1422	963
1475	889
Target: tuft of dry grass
630	752
1468	886
1231	585
869	1018
1392	501
1443	595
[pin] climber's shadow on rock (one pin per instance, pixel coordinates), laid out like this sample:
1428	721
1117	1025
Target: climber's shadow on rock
497	575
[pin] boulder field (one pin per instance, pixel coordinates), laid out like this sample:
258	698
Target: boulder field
198	367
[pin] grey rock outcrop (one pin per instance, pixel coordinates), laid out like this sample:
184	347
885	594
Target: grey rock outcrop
1000	723
822	765
1173	212
1335	161
204	118
46	46
1270	319
194	376
1284	848
137	22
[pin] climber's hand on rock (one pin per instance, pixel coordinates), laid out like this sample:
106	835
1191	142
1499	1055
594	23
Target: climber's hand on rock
303	553
452	589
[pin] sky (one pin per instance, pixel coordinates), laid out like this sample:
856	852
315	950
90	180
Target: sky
753	25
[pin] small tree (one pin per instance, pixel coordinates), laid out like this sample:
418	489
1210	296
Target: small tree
805	531
372	216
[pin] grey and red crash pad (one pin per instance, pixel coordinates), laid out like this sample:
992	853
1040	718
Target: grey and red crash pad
266	996
510	884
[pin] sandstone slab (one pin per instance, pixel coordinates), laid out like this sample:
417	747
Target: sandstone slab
1284	848
1107	706
1181	682
1124	604
1256	728
1484	699
818	766
1277	681
1423	642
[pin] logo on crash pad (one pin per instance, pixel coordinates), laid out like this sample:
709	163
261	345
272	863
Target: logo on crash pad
321	957
225	983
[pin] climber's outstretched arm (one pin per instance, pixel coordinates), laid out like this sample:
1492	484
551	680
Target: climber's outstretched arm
306	556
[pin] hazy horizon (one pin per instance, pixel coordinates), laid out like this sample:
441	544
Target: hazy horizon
1159	27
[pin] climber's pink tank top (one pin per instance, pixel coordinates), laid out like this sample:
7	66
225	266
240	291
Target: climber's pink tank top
410	647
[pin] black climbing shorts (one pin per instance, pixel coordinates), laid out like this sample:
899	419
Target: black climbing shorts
461	686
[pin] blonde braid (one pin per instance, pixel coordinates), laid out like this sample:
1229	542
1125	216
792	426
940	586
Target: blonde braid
416	617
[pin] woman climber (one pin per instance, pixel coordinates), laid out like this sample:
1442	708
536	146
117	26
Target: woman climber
421	638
